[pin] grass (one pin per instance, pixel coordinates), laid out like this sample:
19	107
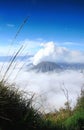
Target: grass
16	112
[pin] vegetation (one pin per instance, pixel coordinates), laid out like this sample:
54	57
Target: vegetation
69	119
17	113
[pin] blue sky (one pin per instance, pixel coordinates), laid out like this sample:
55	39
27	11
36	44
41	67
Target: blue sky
51	20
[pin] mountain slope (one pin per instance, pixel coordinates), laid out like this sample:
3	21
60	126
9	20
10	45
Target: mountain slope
46	67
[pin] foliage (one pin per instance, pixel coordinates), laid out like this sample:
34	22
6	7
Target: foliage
68	119
80	101
16	112
76	121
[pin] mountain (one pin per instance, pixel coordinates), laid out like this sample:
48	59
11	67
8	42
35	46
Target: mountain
46	66
72	66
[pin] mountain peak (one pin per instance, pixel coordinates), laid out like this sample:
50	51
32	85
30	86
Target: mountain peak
46	66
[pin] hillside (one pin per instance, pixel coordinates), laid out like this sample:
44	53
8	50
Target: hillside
46	66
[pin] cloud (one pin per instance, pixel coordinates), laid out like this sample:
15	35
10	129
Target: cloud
48	87
51	52
43	51
30	47
10	25
8	50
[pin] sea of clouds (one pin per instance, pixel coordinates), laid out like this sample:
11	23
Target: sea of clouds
47	87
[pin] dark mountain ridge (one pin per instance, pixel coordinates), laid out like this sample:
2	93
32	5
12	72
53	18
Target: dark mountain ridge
46	67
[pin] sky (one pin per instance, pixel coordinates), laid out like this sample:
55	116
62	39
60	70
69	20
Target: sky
60	21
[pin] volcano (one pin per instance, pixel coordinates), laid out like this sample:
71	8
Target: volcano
46	66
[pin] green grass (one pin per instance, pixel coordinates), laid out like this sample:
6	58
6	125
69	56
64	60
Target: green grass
16	112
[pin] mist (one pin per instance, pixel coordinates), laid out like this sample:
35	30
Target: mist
47	87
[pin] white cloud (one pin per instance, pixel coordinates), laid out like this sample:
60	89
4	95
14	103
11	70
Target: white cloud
46	87
10	25
44	51
30	47
8	50
49	86
51	52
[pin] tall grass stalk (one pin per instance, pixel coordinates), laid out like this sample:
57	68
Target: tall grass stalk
16	35
12	61
19	71
16	64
